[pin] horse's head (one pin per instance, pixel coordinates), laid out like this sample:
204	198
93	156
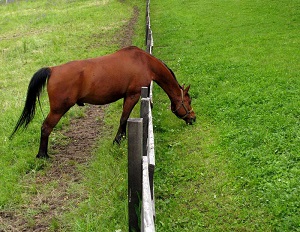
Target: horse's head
182	107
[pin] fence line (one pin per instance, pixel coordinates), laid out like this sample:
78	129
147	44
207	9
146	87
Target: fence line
149	37
141	164
141	157
148	207
148	202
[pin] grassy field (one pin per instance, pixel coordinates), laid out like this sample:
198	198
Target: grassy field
237	168
34	34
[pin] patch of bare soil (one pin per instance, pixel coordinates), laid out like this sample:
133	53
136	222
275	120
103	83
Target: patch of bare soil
50	201
126	33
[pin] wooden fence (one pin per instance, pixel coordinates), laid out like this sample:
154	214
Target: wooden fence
141	163
141	157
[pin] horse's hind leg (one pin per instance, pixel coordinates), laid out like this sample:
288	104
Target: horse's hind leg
47	127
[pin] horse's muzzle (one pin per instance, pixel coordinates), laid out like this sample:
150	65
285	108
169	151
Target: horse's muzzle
190	121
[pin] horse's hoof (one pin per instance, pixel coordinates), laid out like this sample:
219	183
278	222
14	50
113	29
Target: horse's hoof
117	141
42	156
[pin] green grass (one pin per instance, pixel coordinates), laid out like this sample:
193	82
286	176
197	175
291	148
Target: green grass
34	34
237	168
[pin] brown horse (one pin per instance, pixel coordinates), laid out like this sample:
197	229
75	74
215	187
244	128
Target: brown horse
101	81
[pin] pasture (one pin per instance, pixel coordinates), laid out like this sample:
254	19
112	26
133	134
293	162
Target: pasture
34	34
236	169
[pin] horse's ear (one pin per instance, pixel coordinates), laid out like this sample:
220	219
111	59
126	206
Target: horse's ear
187	88
182	86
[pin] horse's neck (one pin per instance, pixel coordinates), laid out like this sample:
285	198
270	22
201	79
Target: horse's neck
168	83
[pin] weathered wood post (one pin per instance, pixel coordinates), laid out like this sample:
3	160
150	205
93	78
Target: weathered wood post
144	114
135	153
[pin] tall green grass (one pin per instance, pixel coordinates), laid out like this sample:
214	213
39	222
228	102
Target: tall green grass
237	168
34	34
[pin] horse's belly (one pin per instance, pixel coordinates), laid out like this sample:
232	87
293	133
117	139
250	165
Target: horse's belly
101	98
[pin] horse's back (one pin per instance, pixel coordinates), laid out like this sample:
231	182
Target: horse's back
103	79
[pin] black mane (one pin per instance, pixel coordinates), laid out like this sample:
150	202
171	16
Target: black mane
173	74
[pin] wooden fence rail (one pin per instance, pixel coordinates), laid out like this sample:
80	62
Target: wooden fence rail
148	206
149	37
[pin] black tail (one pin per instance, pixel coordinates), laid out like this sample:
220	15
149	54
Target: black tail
35	87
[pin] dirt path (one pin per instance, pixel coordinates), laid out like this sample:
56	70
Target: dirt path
49	202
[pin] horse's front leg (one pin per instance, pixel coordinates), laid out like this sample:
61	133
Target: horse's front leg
47	127
129	103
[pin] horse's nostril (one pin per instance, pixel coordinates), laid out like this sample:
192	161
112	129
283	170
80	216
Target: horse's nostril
191	121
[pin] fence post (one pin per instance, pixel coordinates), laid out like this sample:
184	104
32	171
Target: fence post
135	153
144	113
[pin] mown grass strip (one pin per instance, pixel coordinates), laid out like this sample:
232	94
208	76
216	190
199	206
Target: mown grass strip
237	168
